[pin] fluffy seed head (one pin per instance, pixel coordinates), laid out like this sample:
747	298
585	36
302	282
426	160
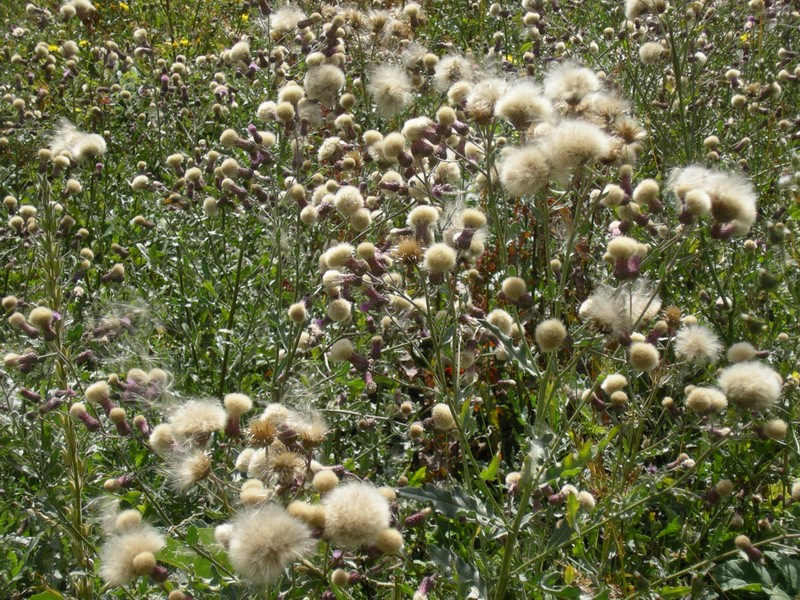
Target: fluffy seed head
623	247
550	334
651	53
523	171
569	83
189	469
237	404
442	417
704	400
161	439
265	541
439	259
196	420
389	541
586	500
741	352
742	542
81	146
323	83
646	191
340	310
348	200
324	481
341	350
41	317
391	89
449	70
751	385
643	356
337	256
698	345
97	392
423	216
502	320
775	429
351	528
514	288
472	218
614	383
572	143
119	551
298	313
483	97
523	105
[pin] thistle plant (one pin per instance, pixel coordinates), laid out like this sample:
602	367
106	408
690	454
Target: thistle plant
429	300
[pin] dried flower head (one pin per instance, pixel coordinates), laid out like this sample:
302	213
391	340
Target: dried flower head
550	334
80	146
353	528
449	70
570	84
263	542
523	105
697	344
196	420
188	469
643	356
391	89
751	385
323	83
118	556
523	171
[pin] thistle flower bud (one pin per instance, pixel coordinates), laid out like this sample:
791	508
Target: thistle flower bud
117	416
42	318
18	322
78	411
116	274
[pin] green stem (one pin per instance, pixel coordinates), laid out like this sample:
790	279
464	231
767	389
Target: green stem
232	314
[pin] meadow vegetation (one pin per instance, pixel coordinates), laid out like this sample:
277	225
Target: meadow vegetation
399	300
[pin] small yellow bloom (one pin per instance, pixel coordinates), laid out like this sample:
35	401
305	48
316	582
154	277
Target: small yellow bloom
83	43
124	6
245	18
184	42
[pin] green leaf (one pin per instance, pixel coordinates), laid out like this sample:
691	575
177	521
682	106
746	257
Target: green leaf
742	575
191	535
467	576
453	504
550	584
789	571
673	527
48	595
490	472
674	592
777	593
418	477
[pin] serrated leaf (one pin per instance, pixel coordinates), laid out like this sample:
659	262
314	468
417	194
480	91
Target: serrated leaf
418	477
453	504
490	472
468	577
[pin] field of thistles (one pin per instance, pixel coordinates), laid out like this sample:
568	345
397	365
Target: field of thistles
400	300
